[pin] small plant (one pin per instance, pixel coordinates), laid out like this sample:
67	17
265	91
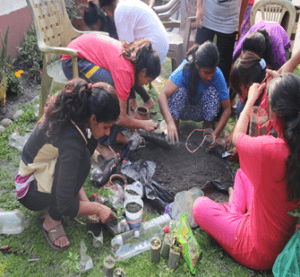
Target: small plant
120	212
72	264
73	10
30	57
9	77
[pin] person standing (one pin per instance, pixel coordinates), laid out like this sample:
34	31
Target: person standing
222	18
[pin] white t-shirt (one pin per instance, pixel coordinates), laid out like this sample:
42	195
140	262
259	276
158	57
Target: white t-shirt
221	17
134	19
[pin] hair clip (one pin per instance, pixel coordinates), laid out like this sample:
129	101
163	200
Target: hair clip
262	64
89	133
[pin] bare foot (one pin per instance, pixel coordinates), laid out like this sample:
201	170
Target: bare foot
230	192
105	152
48	224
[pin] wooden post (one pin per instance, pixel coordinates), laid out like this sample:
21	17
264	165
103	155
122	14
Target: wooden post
155	249
119	272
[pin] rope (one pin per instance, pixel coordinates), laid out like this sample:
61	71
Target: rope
200	130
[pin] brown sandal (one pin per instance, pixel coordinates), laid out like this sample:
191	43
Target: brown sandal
54	234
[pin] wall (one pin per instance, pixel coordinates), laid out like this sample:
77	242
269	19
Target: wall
16	15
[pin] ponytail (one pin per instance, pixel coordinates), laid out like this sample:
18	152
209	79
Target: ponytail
248	68
284	93
78	101
141	55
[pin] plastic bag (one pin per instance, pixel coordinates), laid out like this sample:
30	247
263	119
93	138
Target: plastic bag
86	262
190	248
287	262
184	202
18	141
116	196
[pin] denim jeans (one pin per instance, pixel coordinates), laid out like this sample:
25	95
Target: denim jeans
225	45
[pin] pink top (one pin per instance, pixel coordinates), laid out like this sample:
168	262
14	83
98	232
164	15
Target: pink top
267	226
105	52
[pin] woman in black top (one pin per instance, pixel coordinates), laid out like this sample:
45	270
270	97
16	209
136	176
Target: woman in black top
56	158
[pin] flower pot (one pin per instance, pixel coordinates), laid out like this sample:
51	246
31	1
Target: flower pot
117	179
165	249
108	266
134	212
119	272
142	113
133	190
174	257
155	249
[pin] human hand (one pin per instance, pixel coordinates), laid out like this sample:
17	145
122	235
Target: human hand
234	154
104	213
92	218
238	35
172	135
213	144
149	125
199	17
254	92
271	74
228	142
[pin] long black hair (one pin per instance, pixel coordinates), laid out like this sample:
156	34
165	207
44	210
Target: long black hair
247	69
141	54
260	43
78	101
204	55
284	95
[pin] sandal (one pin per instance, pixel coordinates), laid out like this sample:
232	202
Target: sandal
54	234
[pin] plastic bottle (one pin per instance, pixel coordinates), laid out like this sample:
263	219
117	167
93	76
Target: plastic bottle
98	198
161	220
11	222
134	242
18	141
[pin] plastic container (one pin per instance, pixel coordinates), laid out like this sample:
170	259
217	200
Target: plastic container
134	218
161	221
133	190
134	242
11	222
184	202
18	141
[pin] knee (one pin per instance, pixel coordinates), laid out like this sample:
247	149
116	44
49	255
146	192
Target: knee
200	207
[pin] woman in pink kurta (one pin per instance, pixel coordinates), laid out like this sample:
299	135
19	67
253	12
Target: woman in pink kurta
255	225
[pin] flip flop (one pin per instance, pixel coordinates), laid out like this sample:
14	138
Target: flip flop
54	234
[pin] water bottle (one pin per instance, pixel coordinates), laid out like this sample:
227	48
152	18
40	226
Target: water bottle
134	242
11	222
161	220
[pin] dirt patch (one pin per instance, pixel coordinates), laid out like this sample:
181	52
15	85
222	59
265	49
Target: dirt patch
15	102
133	207
177	169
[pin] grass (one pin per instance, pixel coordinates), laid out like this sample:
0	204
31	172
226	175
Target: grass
41	260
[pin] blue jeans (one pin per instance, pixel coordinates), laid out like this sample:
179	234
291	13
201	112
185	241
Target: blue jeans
225	45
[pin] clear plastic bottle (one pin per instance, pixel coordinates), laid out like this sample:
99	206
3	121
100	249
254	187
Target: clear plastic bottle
11	222
134	242
18	141
161	220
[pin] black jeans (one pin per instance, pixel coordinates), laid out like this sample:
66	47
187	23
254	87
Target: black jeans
225	45
35	200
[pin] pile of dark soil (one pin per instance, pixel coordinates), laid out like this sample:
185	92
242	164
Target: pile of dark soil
177	169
